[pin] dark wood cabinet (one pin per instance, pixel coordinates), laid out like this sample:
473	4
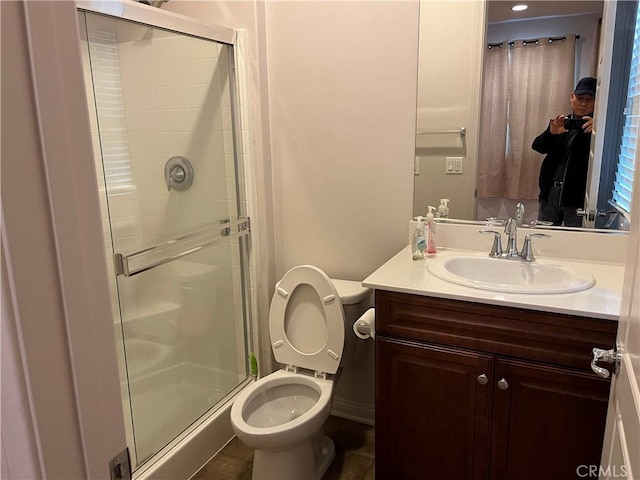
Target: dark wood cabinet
470	391
434	415
546	422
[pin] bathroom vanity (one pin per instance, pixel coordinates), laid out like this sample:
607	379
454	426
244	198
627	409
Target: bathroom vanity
474	384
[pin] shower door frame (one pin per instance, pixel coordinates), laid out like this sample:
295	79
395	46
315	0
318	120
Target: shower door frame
155	17
64	379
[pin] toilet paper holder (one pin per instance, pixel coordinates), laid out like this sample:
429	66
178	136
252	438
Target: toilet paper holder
365	326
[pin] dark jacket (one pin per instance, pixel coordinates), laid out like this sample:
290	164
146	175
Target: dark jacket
572	147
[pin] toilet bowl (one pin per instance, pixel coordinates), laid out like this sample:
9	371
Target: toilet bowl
286	407
281	415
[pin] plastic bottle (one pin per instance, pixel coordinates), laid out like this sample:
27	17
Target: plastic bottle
411	227
418	241
253	365
443	209
431	233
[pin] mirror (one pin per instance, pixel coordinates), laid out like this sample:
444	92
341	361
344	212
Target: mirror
454	37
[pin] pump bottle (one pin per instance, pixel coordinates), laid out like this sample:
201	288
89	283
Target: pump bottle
418	241
443	209
431	233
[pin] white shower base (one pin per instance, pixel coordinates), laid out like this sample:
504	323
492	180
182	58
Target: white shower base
165	402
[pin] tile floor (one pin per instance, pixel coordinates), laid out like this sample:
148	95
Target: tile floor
354	455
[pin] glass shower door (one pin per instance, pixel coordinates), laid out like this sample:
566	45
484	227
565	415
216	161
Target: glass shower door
162	122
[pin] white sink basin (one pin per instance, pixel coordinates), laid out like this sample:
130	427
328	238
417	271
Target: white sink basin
511	276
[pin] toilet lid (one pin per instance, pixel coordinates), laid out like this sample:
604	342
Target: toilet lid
306	321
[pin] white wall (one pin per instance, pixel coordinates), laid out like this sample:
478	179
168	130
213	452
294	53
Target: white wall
342	87
450	76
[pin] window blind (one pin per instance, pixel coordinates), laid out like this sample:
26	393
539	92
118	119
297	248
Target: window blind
103	46
623	182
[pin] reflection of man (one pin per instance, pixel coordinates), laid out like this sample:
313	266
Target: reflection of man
563	175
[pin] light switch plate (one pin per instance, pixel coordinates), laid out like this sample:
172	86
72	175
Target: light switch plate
453	165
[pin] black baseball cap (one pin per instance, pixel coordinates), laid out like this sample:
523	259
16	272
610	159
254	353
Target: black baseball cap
586	85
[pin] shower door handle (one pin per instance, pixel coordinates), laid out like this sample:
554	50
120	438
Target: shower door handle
131	264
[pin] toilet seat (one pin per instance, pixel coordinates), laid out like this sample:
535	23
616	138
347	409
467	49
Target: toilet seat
306	321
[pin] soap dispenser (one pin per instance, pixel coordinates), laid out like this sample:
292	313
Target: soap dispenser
431	233
443	209
418	241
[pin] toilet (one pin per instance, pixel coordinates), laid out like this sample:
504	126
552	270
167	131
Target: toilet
281	415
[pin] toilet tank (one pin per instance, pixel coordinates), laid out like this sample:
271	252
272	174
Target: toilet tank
356	300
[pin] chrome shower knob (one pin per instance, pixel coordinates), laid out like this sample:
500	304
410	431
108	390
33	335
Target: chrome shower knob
178	174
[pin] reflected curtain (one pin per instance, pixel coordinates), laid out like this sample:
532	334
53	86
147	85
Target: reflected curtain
491	156
540	77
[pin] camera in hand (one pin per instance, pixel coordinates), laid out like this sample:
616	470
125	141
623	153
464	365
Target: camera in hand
574	123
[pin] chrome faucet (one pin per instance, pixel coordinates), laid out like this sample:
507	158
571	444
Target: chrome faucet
511	252
511	229
519	214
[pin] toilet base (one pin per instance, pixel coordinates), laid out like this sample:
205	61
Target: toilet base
307	460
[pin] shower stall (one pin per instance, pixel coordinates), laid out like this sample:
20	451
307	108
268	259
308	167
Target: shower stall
164	117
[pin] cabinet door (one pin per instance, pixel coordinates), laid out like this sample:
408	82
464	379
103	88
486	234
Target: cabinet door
546	421
431	411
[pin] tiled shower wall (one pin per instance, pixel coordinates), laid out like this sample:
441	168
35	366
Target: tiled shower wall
172	92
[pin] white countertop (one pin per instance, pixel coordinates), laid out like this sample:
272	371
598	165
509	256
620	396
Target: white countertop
402	274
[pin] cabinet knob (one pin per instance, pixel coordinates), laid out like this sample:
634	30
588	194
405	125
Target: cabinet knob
503	384
482	379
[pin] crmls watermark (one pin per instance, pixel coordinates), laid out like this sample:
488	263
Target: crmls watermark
595	471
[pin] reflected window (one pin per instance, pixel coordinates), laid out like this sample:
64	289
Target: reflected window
621	122
623	182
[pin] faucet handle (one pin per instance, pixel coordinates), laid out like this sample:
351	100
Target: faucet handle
540	223
495	221
510	227
496	249
527	252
